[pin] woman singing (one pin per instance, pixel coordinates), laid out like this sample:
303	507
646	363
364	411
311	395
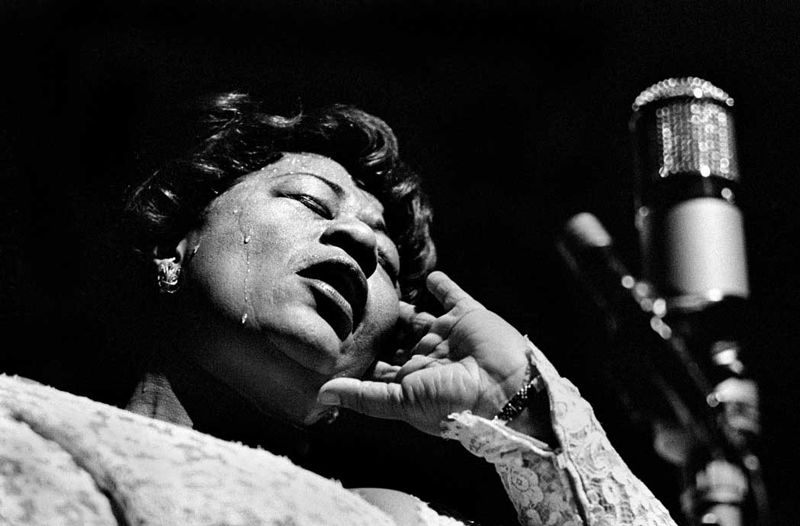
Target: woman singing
289	252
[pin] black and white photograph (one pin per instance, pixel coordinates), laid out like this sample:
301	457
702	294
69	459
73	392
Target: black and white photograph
418	262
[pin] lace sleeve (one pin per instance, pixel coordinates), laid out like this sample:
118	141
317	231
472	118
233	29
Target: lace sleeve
583	481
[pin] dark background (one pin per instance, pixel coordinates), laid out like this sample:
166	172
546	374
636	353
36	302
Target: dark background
516	114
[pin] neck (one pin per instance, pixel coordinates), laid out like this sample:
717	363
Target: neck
215	409
243	367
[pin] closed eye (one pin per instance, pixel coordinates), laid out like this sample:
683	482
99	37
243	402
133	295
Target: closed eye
312	203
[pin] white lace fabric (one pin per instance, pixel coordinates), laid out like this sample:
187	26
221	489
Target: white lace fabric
69	460
583	481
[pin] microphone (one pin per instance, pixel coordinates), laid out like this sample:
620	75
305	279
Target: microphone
691	233
687	176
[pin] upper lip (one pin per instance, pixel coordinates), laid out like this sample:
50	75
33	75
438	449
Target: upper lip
346	277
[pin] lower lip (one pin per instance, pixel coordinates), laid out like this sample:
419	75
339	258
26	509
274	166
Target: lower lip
338	300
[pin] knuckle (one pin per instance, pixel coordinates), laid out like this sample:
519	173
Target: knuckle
360	400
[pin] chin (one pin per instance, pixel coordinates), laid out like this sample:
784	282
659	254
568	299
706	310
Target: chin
311	342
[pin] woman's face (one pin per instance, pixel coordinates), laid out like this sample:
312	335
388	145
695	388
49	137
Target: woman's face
290	281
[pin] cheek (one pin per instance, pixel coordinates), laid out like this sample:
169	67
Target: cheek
384	299
242	261
383	310
389	302
218	269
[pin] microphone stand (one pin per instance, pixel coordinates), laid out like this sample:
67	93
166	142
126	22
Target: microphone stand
716	415
717	422
727	489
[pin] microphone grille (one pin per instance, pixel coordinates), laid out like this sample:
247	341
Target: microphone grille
685	126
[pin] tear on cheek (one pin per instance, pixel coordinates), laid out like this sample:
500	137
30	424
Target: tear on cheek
246	233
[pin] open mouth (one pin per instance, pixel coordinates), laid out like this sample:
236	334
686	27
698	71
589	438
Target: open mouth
340	290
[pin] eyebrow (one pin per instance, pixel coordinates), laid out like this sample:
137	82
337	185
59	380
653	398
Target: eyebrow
380	225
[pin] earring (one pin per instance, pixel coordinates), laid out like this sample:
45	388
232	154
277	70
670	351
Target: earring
168	276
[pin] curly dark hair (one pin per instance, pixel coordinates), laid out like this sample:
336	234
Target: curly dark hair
239	138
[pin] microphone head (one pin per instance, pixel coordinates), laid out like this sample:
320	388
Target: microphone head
684	126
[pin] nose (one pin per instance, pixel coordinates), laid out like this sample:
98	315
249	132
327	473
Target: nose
357	239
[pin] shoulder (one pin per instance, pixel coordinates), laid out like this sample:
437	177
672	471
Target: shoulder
64	452
40	482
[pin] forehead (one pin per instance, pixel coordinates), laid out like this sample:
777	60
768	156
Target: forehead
321	167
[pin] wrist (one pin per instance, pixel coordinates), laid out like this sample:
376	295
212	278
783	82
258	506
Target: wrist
520	400
528	409
535	420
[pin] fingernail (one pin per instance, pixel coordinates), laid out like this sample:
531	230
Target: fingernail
328	398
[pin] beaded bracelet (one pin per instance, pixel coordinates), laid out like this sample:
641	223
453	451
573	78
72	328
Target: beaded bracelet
520	401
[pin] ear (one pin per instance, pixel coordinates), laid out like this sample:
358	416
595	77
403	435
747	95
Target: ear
177	254
168	263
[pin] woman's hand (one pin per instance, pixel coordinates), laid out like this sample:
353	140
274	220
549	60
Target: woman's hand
467	359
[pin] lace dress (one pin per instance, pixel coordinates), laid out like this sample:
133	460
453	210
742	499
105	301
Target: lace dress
67	460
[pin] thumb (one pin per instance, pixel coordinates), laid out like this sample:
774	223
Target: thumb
376	399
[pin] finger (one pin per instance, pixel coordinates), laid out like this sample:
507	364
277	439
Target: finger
400	357
416	363
412	325
419	321
447	291
407	311
427	344
384	372
377	399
